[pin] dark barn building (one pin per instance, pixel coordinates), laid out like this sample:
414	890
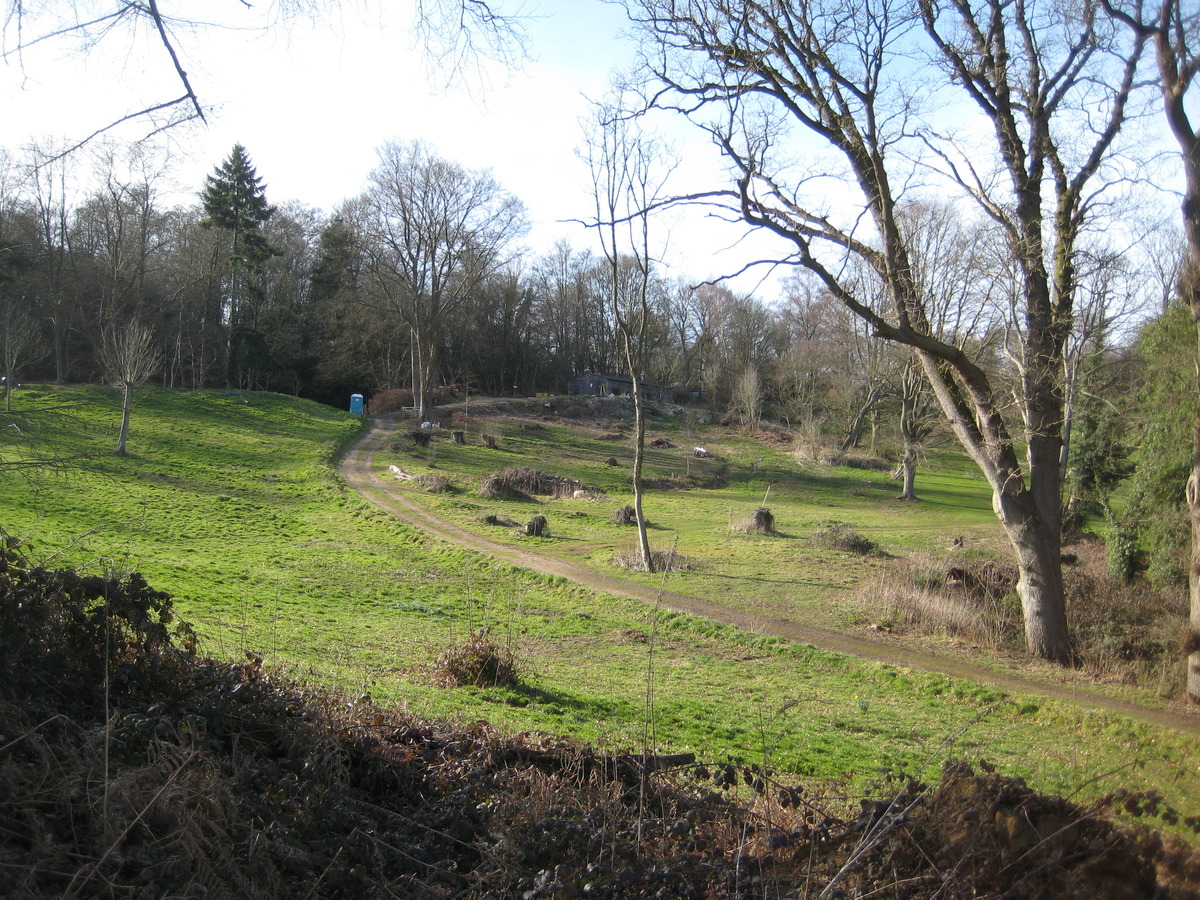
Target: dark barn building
592	384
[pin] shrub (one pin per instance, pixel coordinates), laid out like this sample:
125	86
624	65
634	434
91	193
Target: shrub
536	527
499	521
1121	551
864	463
389	401
94	626
1125	630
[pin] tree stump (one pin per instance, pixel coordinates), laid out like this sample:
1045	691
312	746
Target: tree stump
536	526
489	441
459	438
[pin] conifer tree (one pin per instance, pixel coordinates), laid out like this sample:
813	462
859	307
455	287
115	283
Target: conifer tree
235	202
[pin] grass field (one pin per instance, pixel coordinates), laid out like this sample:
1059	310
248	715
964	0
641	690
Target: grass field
231	502
786	575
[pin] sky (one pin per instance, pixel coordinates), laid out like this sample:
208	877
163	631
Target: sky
313	99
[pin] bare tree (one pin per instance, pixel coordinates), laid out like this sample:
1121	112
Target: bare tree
52	205
128	356
960	277
747	398
457	34
454	33
433	232
20	341
918	423
1050	86
628	169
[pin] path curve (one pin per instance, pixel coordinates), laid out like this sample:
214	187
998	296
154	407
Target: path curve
358	470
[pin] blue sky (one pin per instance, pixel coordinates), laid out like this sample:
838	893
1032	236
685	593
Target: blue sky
312	101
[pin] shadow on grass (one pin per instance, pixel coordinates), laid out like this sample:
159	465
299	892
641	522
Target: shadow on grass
559	702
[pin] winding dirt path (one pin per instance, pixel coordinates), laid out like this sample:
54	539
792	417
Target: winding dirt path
358	469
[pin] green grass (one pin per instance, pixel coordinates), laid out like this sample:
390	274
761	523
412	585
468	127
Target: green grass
781	576
231	503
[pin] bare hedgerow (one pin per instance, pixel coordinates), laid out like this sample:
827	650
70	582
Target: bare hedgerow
494	487
1124	630
520	482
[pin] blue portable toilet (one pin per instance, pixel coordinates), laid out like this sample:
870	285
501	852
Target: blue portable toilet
356	404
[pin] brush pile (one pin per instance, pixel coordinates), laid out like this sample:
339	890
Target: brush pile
522	482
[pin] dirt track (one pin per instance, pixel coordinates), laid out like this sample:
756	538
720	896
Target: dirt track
358	469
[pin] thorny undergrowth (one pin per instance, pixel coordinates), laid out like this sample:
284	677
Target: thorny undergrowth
148	771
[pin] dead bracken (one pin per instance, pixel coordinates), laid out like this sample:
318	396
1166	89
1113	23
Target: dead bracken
224	779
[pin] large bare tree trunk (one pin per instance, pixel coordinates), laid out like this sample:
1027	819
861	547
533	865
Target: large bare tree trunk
1025	501
1192	644
1036	545
1189	289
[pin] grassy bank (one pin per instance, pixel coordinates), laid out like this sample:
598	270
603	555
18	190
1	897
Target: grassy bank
231	503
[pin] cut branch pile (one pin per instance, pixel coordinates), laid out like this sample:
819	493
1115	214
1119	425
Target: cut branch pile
523	482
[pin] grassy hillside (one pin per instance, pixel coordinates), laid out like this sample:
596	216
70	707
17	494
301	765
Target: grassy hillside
230	502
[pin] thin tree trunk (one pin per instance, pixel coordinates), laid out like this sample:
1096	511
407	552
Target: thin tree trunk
59	343
908	466
855	434
912	428
126	409
639	454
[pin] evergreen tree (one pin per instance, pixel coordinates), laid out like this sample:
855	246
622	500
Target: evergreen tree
235	202
336	272
1157	510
